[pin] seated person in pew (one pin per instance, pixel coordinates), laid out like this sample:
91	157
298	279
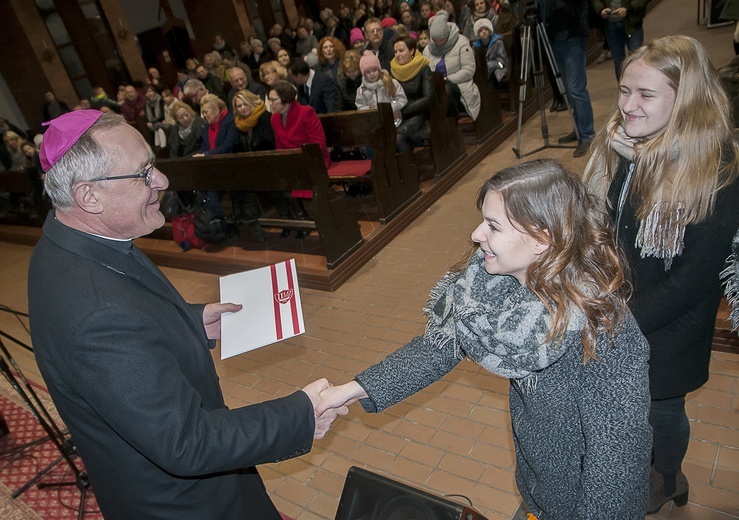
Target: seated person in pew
451	54
185	139
379	87
294	125
496	56
348	80
270	73
219	137
255	134
412	71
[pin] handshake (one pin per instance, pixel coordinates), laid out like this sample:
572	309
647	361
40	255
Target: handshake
331	401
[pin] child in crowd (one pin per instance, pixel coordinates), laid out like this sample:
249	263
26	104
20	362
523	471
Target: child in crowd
423	40
379	87
540	300
496	56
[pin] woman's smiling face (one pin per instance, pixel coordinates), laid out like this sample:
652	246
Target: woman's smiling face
646	101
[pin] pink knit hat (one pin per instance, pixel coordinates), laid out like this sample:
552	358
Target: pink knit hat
355	34
388	22
369	61
62	133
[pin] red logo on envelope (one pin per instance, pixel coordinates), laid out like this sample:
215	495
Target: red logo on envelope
284	296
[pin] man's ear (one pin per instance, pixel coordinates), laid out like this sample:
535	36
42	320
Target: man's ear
86	197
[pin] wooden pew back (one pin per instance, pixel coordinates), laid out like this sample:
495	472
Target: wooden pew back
393	176
280	170
447	146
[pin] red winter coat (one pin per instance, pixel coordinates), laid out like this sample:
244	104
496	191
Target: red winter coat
302	126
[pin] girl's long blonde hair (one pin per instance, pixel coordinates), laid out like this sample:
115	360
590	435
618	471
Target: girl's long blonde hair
694	156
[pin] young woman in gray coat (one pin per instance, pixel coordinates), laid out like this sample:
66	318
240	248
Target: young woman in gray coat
541	301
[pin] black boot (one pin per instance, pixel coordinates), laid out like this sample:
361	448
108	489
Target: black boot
663	489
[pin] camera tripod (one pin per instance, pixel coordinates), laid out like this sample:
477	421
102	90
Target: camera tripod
62	442
533	61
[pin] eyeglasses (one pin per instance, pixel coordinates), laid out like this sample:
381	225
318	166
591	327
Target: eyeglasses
273	99
146	174
375	31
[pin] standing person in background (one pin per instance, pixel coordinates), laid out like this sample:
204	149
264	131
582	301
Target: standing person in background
667	164
129	364
541	300
624	27
567	24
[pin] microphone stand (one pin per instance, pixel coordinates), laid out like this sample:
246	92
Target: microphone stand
64	445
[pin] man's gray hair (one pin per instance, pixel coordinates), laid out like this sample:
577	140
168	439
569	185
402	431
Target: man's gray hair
85	160
192	86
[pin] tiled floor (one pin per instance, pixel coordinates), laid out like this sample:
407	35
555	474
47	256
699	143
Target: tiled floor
454	437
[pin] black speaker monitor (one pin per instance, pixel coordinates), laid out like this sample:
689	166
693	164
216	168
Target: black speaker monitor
368	496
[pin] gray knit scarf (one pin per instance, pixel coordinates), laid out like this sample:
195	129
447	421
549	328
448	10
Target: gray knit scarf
653	238
493	319
730	276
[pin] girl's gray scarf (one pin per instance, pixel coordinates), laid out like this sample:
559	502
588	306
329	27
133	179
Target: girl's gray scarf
653	239
730	275
372	85
493	319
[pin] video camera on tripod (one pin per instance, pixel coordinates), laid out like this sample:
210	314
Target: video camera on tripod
528	12
532	62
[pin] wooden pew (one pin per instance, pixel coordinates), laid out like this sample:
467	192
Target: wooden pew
446	142
489	119
393	176
280	170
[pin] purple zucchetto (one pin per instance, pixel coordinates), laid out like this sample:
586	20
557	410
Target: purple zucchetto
62	133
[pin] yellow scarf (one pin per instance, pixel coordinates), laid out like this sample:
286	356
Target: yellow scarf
408	71
244	124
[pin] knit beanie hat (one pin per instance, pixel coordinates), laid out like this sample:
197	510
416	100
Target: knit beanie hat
388	22
439	26
483	22
355	35
369	61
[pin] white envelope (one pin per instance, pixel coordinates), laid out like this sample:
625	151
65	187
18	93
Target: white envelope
272	309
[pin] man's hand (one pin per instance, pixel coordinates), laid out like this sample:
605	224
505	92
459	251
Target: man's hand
328	414
605	13
212	317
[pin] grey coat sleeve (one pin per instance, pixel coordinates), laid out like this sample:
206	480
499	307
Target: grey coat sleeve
406	371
